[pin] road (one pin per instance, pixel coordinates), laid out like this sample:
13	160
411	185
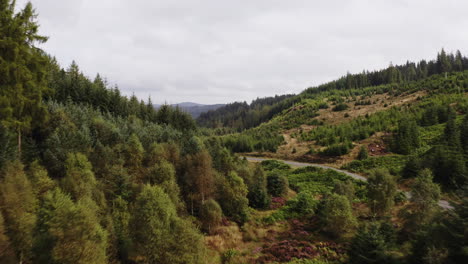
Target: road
444	204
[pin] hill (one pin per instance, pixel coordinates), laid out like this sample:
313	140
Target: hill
90	176
194	109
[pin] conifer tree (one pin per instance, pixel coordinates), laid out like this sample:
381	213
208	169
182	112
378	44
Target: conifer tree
464	134
23	79
451	132
369	246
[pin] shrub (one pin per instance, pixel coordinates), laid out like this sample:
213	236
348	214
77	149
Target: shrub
340	107
277	184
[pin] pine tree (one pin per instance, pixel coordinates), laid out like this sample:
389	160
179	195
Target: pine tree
121	220
443	62
369	246
451	132
407	137
23	79
363	154
464	134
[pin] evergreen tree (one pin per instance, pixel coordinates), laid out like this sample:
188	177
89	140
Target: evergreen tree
407	137
23	79
381	189
464	134
121	220
369	246
134	153
363	154
443	62
451	132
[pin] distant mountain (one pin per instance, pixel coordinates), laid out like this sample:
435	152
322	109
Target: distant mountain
194	109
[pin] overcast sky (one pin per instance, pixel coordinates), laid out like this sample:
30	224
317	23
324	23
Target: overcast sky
219	51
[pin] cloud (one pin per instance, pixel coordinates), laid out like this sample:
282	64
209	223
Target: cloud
221	51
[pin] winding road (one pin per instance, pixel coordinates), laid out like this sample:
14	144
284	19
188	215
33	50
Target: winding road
442	203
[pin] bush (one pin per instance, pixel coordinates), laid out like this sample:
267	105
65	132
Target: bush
337	215
363	154
277	184
337	150
340	107
211	215
270	165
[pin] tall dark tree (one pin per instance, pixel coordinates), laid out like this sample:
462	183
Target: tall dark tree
23	77
451	132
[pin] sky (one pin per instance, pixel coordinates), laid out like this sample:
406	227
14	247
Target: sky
219	51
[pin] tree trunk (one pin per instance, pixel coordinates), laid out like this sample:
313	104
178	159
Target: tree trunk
19	143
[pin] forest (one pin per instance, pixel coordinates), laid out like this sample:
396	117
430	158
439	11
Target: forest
88	175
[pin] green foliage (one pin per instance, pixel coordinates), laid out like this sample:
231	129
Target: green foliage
258	190
370	245
447	165
340	107
337	149
393	163
40	179
4	241
363	154
277	184
121	223
158	234
23	76
270	165
211	215
79	180
71	231
232	196
345	188
337	215
19	205
407	137
425	196
381	191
